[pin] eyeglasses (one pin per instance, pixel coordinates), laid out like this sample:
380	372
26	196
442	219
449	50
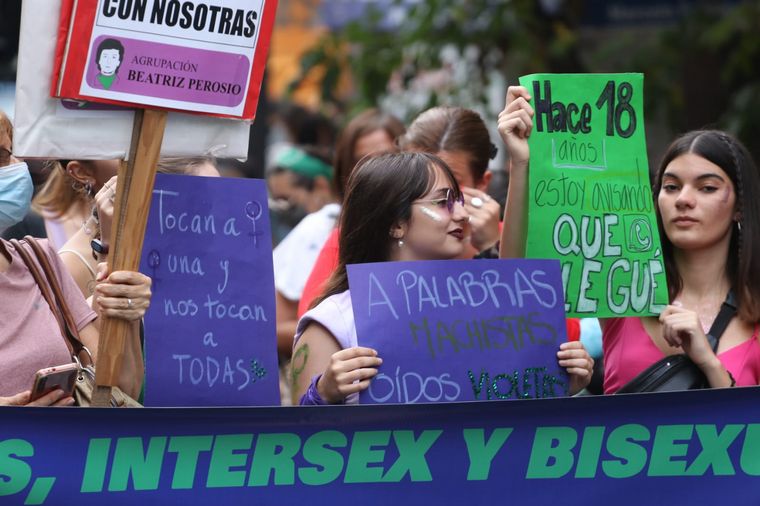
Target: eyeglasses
5	157
447	200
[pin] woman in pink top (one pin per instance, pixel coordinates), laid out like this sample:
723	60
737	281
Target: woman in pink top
706	198
30	336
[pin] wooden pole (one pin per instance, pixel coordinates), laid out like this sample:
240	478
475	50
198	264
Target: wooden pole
133	196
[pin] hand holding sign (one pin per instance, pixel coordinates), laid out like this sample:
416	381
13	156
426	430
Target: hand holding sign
459	330
579	364
350	371
588	195
516	123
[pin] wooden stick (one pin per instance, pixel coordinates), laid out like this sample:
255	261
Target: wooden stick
133	195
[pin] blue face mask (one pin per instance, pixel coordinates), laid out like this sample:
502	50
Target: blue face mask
15	194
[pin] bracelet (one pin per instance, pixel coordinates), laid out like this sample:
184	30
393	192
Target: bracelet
98	248
312	397
488	253
731	377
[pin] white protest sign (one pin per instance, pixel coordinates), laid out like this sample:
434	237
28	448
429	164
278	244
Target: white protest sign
45	128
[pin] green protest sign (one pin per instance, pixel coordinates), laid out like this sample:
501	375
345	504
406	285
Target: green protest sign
590	200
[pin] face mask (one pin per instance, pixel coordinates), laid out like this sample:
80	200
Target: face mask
15	194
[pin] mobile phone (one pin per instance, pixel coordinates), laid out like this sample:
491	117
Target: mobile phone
62	377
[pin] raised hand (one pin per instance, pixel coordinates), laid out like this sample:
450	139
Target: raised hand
516	123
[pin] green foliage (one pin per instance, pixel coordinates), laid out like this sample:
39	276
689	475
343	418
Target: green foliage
701	71
496	38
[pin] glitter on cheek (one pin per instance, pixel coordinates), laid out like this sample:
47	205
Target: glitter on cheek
431	214
726	195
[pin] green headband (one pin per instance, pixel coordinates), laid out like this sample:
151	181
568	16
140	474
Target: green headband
298	161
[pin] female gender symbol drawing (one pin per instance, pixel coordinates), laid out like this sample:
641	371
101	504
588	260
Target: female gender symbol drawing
253	210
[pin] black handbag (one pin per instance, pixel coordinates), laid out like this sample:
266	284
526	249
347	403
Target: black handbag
678	372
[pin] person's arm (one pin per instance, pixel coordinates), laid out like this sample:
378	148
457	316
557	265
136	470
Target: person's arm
125	295
76	256
515	125
343	372
681	327
484	219
55	398
578	363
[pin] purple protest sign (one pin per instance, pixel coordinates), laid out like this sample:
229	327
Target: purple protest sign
210	331
461	330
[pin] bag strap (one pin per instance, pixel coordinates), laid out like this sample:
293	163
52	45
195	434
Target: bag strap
725	315
73	332
43	286
53	294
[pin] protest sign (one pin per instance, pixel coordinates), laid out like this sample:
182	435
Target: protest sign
590	201
210	335
193	55
670	448
46	127
459	330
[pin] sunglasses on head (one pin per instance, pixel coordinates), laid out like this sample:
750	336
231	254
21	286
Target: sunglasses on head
448	200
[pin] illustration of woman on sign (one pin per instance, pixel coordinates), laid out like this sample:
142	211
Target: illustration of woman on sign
108	58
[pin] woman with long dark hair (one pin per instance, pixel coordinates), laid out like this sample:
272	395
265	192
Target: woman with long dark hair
706	194
398	207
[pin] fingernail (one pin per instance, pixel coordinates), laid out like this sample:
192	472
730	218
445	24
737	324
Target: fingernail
69	401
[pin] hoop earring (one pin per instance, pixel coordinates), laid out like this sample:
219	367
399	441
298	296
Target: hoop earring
86	188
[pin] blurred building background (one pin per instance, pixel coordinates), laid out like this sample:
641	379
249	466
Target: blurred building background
336	57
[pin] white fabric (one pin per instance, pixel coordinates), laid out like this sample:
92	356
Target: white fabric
43	128
294	257
80	257
337	316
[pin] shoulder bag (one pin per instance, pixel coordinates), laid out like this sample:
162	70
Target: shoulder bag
678	372
53	294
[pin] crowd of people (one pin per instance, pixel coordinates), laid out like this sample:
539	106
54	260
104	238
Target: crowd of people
382	191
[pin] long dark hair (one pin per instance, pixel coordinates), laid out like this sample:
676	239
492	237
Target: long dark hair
365	123
743	262
452	129
379	194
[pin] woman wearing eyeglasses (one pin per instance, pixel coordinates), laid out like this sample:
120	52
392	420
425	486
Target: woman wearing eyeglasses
460	138
398	207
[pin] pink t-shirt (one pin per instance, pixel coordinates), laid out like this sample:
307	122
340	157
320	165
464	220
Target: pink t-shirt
628	350
30	338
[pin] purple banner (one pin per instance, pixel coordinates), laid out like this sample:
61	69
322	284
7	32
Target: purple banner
461	330
152	69
210	331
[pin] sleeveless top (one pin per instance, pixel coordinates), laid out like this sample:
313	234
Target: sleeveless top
337	316
628	350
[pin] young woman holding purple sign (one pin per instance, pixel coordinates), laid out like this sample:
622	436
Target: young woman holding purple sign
706	199
398	207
